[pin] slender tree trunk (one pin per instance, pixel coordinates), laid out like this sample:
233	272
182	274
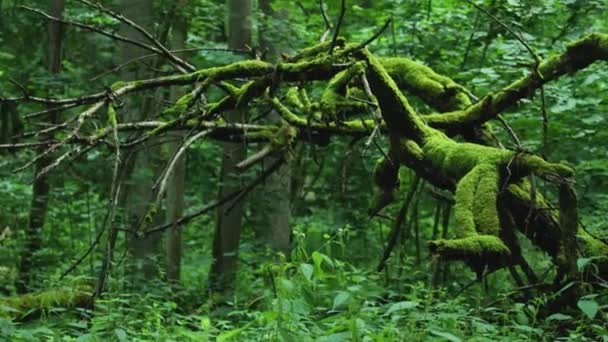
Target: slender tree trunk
273	207
175	191
144	165
41	187
228	226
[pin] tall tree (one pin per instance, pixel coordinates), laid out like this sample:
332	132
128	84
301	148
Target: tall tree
273	207
175	191
229	215
142	165
41	187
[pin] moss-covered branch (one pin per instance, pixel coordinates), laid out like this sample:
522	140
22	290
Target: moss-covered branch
578	55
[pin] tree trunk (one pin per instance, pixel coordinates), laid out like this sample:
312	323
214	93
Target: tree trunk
144	165
175	191
228	226
273	207
41	187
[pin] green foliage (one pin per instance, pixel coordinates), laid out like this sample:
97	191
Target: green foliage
327	289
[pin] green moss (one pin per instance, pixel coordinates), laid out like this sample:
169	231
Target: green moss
479	246
334	96
179	108
162	128
592	247
284	136
396	110
243	69
315	50
286	114
454	160
292	97
252	90
305	100
19	306
112	120
579	54
117	85
412	150
438	91
539	166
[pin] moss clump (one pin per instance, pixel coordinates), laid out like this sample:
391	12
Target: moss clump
292	97
396	110
333	100
117	85
243	69
286	114
454	160
480	252
284	136
252	90
438	91
23	306
179	108
315	50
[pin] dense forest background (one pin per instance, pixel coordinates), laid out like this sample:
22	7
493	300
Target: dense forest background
109	245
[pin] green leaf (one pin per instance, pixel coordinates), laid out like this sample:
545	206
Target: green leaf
340	300
405	305
446	335
307	270
559	317
581	263
588	307
233	333
317	259
120	334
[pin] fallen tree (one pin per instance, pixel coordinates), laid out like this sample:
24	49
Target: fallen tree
364	95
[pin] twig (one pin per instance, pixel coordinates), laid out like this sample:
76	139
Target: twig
537	61
233	195
173	162
375	35
328	25
180	64
509	130
396	230
338	24
255	158
94	29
